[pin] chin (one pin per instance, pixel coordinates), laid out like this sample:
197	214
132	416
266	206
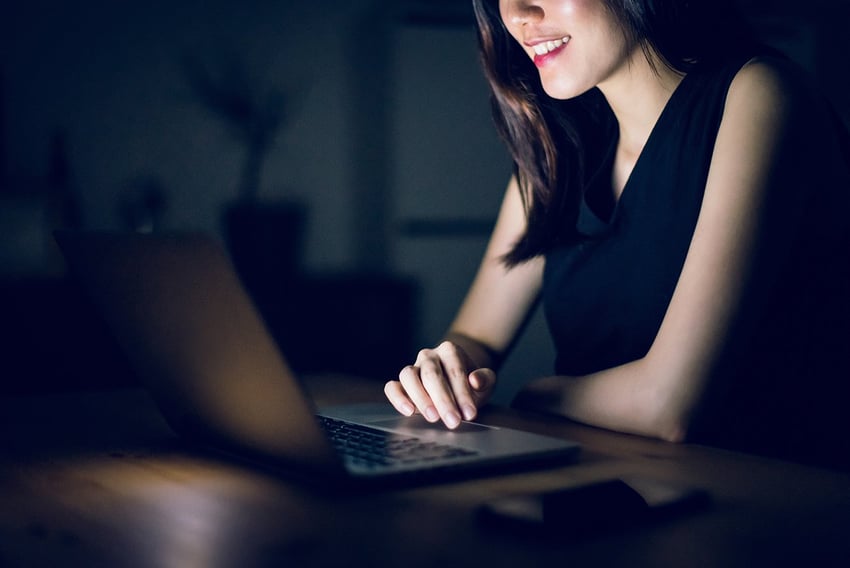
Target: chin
564	94
563	90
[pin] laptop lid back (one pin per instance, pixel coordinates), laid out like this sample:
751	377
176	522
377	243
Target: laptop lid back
199	345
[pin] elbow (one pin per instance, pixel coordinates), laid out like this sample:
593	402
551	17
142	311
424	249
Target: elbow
669	418
674	431
673	396
672	421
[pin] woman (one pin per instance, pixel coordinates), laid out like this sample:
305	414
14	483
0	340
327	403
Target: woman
679	204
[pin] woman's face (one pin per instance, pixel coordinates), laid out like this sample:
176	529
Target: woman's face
575	44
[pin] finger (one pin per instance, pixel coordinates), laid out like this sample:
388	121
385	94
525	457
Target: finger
438	387
455	368
482	382
412	384
395	393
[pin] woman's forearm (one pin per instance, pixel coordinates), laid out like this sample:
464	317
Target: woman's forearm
625	398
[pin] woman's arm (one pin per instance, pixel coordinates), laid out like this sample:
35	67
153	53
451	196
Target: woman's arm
454	378
657	394
499	299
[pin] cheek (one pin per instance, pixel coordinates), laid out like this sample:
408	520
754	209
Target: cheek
503	9
505	14
572	76
577	13
563	81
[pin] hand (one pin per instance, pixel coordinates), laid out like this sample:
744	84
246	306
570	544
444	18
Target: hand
442	384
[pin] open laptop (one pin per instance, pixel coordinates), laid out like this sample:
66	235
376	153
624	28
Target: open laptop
197	343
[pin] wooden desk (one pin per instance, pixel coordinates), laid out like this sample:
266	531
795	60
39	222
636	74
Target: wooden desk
97	479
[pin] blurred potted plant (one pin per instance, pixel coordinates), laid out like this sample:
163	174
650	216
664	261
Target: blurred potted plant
263	236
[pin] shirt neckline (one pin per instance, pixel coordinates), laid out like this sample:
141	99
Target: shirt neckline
589	221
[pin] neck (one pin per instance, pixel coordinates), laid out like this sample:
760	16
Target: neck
637	94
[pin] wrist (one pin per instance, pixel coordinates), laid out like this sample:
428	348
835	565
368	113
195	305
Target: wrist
481	355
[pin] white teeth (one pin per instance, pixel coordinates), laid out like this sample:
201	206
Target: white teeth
547	46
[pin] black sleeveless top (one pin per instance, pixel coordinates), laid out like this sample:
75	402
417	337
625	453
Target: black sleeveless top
605	298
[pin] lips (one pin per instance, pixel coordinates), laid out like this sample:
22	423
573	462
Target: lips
548	49
545	47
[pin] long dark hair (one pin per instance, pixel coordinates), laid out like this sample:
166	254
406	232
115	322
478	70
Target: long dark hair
554	143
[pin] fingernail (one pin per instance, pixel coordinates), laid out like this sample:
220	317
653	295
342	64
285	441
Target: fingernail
452	420
407	409
431	414
468	412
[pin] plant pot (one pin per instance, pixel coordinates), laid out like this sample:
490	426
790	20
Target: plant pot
264	240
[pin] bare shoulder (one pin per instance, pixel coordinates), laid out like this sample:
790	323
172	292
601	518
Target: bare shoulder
766	86
761	73
758	120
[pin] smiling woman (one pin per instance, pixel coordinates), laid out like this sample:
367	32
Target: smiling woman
545	32
678	206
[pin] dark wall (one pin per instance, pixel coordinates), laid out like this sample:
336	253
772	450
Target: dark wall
386	140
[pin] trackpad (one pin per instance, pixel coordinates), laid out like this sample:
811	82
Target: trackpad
418	422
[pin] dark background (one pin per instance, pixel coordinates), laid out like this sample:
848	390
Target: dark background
374	142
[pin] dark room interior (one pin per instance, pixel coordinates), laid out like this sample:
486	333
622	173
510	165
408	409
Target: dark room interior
344	155
210	116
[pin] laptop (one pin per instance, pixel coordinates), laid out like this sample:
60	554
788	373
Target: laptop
199	346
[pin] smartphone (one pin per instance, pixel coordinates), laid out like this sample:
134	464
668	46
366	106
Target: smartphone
595	507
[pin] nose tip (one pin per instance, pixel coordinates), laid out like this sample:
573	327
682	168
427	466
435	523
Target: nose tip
520	12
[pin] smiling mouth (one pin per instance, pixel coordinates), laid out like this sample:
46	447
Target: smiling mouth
548	49
548	46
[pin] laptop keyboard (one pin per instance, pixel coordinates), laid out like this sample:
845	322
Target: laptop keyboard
371	447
